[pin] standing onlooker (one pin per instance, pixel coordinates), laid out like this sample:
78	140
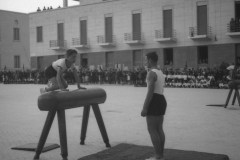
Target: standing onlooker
155	106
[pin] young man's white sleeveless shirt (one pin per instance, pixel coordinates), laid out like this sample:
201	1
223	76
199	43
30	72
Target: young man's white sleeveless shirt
159	83
61	63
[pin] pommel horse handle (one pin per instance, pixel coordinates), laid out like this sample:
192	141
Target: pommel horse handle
57	101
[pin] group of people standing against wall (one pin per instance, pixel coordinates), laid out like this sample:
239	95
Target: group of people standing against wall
234	25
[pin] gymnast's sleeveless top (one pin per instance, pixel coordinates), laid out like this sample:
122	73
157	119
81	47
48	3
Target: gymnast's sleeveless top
159	83
61	63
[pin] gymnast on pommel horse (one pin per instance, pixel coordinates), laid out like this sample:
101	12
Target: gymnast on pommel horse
57	101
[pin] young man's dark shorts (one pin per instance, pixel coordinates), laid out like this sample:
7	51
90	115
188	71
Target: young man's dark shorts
157	105
50	72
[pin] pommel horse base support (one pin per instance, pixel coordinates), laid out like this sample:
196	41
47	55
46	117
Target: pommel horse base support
57	101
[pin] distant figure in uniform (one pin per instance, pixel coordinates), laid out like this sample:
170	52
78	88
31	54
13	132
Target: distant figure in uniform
234	70
54	72
154	107
230	69
234	74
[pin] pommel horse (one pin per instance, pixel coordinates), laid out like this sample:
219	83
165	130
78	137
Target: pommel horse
57	102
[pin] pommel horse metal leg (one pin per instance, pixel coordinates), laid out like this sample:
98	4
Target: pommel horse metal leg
44	134
236	95
234	98
85	118
101	125
62	133
228	98
100	122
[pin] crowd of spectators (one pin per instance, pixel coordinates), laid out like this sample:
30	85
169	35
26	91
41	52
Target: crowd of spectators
234	25
22	77
197	78
185	78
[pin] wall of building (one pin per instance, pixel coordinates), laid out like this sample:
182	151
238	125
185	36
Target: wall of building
124	57
221	53
46	61
96	58
86	2
184	16
8	46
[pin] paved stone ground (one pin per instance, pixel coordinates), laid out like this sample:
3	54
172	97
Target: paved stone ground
189	123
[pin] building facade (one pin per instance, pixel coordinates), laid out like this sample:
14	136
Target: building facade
110	33
14	41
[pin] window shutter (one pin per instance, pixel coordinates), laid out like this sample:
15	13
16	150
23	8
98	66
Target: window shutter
202	20
136	26
83	32
167	23
108	29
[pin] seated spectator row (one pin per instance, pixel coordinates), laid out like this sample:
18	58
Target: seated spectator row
187	78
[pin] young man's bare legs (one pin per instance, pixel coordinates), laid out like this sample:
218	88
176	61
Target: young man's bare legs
53	85
162	134
155	129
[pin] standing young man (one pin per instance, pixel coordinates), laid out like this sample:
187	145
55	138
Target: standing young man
154	107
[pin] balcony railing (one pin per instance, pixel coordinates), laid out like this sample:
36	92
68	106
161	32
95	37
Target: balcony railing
233	29
58	44
78	43
195	33
106	42
133	38
161	36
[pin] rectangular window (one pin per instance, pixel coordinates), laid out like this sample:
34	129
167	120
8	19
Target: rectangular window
237	10
108	29
202	24
39	62
168	56
83	32
136	26
16	61
137	58
203	55
40	34
110	59
167	23
60	34
16	34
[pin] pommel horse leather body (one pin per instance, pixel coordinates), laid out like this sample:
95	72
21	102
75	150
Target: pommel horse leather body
71	99
58	101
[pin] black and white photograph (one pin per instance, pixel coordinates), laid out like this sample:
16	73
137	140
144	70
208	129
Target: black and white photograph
119	79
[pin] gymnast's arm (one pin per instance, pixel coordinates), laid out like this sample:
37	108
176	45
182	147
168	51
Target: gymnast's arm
76	76
152	77
59	79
